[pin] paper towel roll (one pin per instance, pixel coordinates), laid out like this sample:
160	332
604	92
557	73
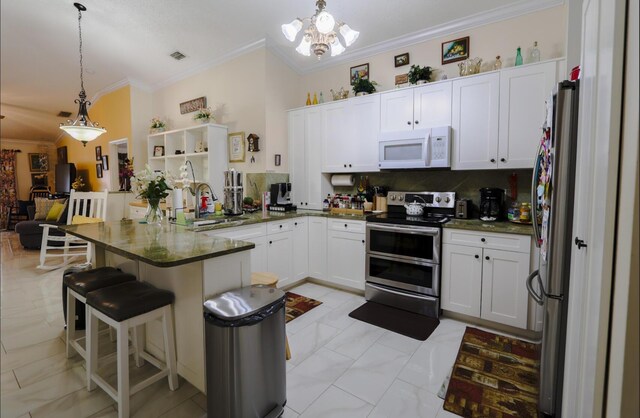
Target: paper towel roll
177	199
343	180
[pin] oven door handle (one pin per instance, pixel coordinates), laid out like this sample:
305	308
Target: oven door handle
404	229
395	292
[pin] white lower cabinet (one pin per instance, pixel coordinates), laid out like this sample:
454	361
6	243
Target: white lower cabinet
252	233
300	262
317	249
485	282
279	251
346	258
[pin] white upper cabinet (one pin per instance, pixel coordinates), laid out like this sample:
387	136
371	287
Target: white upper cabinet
475	122
523	91
421	107
298	174
350	135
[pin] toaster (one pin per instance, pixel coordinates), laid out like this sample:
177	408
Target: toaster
463	208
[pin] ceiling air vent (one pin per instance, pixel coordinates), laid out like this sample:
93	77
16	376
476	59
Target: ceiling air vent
64	114
178	55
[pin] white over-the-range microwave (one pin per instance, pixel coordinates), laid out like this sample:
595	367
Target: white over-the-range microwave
419	148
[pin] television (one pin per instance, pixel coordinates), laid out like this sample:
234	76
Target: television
65	176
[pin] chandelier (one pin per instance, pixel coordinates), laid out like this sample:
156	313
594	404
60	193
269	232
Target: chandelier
320	36
82	128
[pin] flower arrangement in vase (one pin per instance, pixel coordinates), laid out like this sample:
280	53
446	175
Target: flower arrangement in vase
204	115
419	75
152	186
157	125
78	184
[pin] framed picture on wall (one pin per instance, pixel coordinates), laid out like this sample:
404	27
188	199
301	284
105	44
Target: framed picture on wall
456	50
359	72
400	60
39	179
39	162
98	153
105	162
99	173
158	151
236	147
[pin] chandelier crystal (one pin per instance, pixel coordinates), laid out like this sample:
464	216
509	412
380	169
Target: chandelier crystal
82	128
320	36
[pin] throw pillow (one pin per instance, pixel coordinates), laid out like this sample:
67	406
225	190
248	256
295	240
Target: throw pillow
79	220
43	206
55	212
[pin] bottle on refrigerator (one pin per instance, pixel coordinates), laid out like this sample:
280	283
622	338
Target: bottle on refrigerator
534	56
498	64
518	57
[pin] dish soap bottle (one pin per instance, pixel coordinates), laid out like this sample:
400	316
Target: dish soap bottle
498	64
518	57
308	99
535	53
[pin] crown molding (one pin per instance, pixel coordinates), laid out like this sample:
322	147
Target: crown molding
253	46
459	25
27	141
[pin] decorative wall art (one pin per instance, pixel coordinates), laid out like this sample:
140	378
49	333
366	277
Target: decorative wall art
39	179
62	155
236	147
402	79
158	151
456	50
105	162
402	59
98	153
99	170
39	162
359	72
193	105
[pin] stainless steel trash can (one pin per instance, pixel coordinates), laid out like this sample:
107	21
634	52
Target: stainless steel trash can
245	353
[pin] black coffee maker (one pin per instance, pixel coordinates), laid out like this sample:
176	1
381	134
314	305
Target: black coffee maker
491	204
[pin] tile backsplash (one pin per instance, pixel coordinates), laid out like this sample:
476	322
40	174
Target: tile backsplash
256	183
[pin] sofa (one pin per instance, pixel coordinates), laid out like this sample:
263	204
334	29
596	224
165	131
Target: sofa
31	232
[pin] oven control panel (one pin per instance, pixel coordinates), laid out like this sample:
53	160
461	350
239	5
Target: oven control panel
429	199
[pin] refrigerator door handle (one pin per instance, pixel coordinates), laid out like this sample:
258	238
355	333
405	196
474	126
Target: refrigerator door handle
534	196
538	298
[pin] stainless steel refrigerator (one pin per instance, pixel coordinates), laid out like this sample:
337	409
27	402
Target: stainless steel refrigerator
552	197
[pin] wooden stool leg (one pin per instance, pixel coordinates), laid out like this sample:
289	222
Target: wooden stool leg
123	369
170	347
137	338
71	322
287	349
91	347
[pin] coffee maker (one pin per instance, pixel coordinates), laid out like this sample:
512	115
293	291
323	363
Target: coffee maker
233	192
491	204
281	197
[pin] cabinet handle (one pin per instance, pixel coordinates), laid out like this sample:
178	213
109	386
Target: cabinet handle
345	166
300	203
349	165
477	256
502	160
486	257
408	122
295	223
493	160
280	226
483	240
270	242
306	204
345	225
580	243
363	241
417	122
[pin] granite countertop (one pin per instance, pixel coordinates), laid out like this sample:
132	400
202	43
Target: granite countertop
159	245
504	227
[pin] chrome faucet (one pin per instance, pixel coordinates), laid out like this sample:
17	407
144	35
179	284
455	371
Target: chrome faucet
198	193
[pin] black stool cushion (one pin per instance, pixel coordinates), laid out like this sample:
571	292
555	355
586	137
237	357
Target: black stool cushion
87	281
129	299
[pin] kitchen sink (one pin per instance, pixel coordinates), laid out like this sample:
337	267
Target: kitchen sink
204	223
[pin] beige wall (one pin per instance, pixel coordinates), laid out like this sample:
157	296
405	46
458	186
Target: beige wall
548	27
23	170
236	88
141	114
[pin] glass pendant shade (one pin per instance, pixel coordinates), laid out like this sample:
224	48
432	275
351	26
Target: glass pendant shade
305	47
290	30
336	47
83	133
325	22
348	34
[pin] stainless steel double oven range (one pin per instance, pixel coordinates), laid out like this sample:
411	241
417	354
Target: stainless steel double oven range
404	251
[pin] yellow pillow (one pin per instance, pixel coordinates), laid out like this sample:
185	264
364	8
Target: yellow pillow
43	206
79	220
55	212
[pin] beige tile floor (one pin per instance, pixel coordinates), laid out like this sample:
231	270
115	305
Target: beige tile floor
340	367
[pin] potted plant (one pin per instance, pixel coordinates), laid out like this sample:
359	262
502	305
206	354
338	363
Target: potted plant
419	75
362	87
157	125
203	115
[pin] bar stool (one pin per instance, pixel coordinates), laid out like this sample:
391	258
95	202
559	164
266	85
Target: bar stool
78	285
271	280
126	306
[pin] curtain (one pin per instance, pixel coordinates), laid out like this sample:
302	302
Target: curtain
8	190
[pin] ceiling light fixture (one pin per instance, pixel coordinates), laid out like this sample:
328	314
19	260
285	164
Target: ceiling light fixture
82	128
320	36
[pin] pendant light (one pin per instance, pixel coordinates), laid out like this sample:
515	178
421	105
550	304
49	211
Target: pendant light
82	129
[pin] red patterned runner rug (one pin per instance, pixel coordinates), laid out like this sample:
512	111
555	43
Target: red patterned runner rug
494	376
297	305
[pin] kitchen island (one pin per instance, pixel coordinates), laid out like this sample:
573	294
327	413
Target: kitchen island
193	266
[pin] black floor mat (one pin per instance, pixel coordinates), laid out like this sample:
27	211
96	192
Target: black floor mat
402	322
